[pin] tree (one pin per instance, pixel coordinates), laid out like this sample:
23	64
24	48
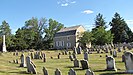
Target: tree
31	35
101	36
86	38
20	42
120	29
5	30
99	22
52	27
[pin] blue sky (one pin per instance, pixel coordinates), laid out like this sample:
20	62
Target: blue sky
68	12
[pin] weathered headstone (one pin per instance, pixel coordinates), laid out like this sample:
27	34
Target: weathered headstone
44	59
114	53
70	57
111	52
86	56
84	64
106	50
110	61
58	72
31	55
58	56
76	63
129	61
71	72
123	58
22	58
66	52
75	50
89	72
45	72
30	66
69	53
119	49
79	50
74	55
16	61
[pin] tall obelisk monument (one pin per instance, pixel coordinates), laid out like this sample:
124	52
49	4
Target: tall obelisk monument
4	45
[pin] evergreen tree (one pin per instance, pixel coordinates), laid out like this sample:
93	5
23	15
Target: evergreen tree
120	29
99	22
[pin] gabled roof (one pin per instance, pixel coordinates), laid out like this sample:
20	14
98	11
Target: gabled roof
67	31
69	28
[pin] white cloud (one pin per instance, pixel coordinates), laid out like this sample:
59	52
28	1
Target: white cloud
87	12
129	22
73	2
66	4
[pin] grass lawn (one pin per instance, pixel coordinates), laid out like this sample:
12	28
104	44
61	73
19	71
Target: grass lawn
96	64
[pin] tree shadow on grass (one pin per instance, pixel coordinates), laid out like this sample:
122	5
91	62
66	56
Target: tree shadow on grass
20	72
69	67
116	73
75	68
119	62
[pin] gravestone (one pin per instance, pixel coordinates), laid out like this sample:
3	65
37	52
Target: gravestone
58	56
37	55
106	50
110	61
114	53
84	64
86	56
71	72
69	53
62	53
4	45
70	57
45	72
111	52
119	49
66	52
129	61
16	53
76	63
30	66
86	50
16	61
89	72
75	50
22	58
58	72
31	55
79	50
123	58
74	55
44	59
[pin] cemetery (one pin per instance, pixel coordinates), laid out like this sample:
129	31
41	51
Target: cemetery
47	47
86	63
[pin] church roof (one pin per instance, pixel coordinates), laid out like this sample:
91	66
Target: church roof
67	31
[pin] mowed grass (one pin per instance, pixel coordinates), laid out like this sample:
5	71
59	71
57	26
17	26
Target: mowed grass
96	64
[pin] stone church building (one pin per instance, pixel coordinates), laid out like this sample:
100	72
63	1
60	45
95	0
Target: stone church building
67	38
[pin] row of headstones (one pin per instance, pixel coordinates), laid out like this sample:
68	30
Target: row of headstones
71	72
73	56
127	58
107	47
31	68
